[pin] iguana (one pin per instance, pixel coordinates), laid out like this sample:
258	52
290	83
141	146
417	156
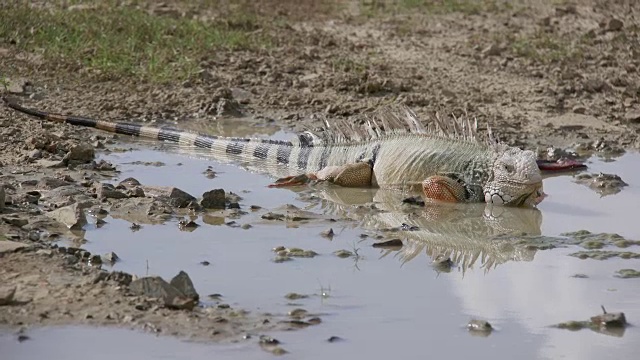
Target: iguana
446	159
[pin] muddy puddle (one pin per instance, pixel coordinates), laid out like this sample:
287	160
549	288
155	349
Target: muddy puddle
375	302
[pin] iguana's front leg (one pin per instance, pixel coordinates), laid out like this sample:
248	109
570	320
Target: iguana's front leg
449	188
350	175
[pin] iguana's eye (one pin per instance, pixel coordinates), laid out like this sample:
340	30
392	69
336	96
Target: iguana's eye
508	167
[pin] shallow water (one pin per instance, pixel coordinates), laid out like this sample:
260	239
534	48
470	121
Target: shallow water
384	304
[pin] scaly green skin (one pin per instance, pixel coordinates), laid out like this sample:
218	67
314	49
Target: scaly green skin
474	171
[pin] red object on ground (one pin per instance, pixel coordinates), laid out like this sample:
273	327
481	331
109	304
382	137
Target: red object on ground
560	165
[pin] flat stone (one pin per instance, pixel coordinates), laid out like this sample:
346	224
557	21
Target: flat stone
492	50
6	295
141	210
615	25
49	163
7	246
15	220
176	197
82	152
71	216
108	191
632	117
579	109
156	287
49	183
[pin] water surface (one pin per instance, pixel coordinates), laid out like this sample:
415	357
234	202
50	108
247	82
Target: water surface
385	303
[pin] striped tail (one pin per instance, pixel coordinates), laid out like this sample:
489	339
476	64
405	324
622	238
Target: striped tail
269	153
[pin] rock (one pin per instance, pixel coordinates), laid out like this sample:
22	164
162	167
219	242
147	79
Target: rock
213	199
492	50
479	325
3	197
71	216
579	109
614	25
108	191
343	253
632	116
6	295
268	340
627	273
82	153
141	210
110	257
44	252
228	107
156	287
129	182
7	246
209	173
35	154
603	184
50	163
295	296
333	339
609	320
328	233
389	244
119	277
175	196
18	86
187	225
183	283
51	183
595	85
15	221
94	259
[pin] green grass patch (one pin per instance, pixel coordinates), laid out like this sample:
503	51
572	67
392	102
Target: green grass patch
4	84
124	41
544	48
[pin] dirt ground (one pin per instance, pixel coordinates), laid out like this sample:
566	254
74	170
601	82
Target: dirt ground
542	73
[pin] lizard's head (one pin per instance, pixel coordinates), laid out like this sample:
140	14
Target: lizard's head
516	179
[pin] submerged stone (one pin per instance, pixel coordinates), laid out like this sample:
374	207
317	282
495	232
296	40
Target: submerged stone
479	325
343	253
605	254
627	273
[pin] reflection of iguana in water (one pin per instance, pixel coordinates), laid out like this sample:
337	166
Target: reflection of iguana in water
471	235
447	159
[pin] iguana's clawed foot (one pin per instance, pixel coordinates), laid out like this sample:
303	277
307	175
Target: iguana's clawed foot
442	188
294	180
348	175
